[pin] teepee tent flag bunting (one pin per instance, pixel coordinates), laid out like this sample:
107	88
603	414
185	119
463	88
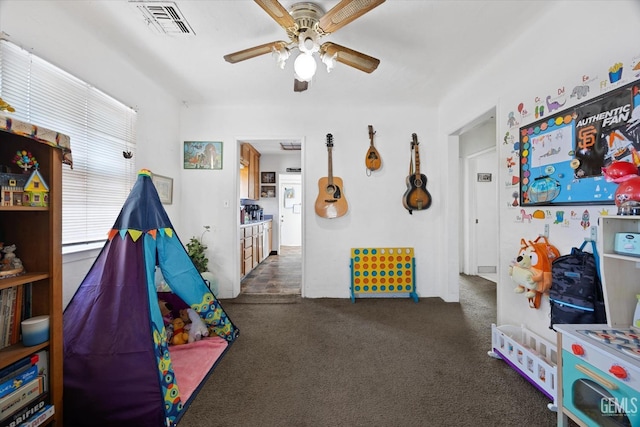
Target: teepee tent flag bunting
118	366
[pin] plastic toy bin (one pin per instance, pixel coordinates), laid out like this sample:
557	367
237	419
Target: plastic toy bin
531	356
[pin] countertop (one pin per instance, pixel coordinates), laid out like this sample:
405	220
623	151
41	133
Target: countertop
248	223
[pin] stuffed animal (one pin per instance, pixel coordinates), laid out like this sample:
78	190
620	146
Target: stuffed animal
165	310
180	336
196	326
532	268
523	272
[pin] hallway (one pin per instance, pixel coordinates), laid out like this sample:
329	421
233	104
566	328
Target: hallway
278	274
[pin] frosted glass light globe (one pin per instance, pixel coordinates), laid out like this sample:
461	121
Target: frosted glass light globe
305	67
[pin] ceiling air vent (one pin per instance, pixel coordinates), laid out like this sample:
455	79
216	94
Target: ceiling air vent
164	17
290	146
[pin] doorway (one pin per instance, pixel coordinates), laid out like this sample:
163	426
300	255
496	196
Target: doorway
281	271
479	200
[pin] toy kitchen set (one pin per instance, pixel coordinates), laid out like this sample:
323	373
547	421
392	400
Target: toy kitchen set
601	375
600	364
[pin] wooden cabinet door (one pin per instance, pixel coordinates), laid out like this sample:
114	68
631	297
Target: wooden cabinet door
245	154
266	239
241	255
254	180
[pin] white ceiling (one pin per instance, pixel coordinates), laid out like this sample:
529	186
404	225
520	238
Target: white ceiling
425	47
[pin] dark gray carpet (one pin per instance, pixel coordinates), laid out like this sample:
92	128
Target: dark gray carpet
378	362
267	299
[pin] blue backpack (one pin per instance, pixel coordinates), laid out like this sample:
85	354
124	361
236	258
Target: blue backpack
576	292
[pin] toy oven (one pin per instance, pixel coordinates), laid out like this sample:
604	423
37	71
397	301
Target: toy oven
601	375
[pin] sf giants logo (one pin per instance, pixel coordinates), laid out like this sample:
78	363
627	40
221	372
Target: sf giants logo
586	137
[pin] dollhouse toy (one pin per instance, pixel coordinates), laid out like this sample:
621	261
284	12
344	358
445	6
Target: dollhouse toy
36	191
24	190
12	188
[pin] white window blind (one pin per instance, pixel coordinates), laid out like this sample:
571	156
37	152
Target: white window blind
100	129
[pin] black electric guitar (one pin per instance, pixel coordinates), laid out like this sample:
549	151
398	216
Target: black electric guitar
330	202
416	197
372	160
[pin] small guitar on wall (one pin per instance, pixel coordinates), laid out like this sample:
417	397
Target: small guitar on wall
330	202
416	197
372	160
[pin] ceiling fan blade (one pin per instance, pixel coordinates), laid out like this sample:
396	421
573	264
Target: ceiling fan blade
345	12
350	57
252	52
300	86
278	13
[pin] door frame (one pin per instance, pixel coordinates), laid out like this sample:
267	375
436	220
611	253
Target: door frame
470	257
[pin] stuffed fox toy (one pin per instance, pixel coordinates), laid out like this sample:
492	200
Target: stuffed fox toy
532	269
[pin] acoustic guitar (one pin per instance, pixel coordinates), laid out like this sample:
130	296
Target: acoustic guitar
372	160
416	197
330	202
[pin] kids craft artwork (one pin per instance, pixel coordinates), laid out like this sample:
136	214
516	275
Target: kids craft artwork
562	155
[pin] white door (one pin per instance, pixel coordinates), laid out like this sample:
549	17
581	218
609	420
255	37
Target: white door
290	210
485	221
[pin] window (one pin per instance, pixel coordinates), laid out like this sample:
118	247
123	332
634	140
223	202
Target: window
101	130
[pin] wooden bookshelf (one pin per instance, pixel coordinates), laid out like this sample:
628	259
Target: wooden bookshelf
37	234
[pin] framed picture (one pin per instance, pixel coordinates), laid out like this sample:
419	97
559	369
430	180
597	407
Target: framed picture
562	155
268	191
202	155
268	177
164	187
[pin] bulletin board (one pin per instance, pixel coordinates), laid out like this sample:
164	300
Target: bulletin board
383	272
562	155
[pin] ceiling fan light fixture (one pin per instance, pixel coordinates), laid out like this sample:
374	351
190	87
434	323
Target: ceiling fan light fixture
281	55
329	60
305	67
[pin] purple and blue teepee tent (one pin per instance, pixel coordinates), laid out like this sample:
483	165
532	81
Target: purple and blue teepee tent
117	363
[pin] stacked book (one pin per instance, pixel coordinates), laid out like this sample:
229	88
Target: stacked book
24	392
15	306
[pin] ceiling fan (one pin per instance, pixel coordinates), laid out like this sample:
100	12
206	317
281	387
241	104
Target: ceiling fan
305	24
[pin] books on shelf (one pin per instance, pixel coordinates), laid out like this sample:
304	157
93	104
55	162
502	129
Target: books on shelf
18	367
24	389
21	396
15	306
26	411
40	417
16	382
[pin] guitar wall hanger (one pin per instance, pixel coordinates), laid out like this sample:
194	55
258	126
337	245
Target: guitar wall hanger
372	160
417	196
330	202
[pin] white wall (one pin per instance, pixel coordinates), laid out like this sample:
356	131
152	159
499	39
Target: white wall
573	39
593	37
59	40
376	216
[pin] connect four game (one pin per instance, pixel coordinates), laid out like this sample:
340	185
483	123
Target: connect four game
383	272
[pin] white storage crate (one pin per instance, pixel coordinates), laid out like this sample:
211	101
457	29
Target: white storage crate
531	356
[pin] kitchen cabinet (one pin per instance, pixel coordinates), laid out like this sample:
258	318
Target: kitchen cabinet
258	231
267	239
255	245
247	256
249	172
241	252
